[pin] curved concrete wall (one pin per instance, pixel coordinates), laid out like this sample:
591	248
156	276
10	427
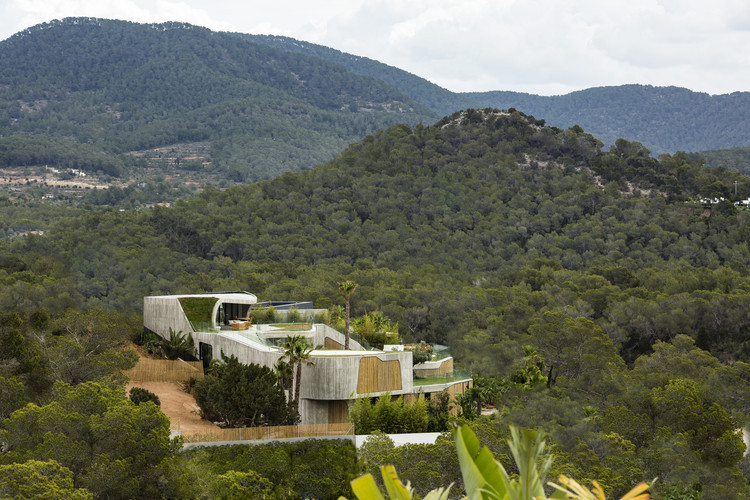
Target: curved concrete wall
162	313
336	377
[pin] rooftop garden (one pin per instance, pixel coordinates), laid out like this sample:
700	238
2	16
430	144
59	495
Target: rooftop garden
198	311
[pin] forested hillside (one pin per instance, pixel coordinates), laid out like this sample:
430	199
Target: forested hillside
159	111
737	159
83	93
665	119
482	199
442	101
487	231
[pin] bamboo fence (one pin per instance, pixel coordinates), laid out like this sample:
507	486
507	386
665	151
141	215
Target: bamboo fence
266	433
163	370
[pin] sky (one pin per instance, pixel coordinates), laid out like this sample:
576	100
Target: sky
545	47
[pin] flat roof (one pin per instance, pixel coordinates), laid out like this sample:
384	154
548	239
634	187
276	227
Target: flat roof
231	297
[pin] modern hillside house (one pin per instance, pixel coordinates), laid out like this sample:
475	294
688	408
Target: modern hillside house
219	323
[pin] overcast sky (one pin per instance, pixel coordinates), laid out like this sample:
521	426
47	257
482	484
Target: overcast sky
543	47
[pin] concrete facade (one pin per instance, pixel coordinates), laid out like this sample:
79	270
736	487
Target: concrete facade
337	377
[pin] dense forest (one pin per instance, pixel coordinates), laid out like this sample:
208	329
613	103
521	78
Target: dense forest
664	119
737	159
521	246
94	89
166	109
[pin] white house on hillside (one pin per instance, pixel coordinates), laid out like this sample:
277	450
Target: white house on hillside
218	323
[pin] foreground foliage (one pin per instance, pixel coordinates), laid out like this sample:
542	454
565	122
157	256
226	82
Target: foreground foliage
307	469
109	446
486	478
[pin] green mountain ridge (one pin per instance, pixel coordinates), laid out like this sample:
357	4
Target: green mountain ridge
664	119
440	100
85	93
478	200
124	86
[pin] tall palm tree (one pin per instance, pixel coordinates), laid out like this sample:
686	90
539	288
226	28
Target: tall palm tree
297	350
285	372
347	288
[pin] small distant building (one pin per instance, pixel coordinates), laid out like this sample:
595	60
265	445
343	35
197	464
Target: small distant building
220	323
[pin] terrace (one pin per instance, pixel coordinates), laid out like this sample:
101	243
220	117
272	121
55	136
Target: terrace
225	324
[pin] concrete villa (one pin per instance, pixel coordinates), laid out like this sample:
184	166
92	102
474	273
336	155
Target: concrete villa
338	377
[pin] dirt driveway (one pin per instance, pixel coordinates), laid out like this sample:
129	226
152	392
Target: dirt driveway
178	405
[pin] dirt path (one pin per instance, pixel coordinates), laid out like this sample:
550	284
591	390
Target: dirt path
178	405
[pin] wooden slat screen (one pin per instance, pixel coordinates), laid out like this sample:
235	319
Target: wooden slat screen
329	343
378	376
338	412
261	433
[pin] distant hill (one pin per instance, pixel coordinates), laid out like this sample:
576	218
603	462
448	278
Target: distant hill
485	218
441	101
664	119
737	159
117	86
190	106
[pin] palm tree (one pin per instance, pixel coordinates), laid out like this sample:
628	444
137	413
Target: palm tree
297	350
347	288
284	373
179	345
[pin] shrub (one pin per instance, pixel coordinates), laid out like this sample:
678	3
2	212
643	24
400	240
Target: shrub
140	395
390	417
243	395
422	353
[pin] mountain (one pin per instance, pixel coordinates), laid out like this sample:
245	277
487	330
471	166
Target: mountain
441	101
84	92
737	159
157	110
430	221
664	119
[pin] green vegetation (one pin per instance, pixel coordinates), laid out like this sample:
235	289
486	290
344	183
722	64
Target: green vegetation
425	466
485	477
347	288
306	469
736	159
140	395
297	352
389	416
88	93
422	352
178	346
112	447
240	395
39	480
198	311
488	232
376	329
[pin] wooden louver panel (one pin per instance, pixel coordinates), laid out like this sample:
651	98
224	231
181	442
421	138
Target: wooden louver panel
378	376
